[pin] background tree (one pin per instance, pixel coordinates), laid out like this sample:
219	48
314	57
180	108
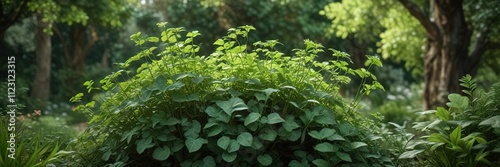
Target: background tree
79	15
443	40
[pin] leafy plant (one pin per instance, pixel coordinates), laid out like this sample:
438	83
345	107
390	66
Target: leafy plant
228	108
465	134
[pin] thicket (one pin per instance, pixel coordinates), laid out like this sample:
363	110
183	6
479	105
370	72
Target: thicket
242	105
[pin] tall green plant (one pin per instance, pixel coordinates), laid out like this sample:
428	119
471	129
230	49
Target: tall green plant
228	108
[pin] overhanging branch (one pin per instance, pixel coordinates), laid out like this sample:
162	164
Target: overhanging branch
415	11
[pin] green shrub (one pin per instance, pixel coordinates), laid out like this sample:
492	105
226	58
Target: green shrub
465	134
237	107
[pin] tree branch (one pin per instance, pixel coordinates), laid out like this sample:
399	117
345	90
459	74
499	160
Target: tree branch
429	26
480	47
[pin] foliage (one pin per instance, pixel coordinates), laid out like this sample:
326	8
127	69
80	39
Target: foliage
38	141
465	134
399	34
228	108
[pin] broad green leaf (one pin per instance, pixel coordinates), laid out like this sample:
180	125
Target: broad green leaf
219	42
144	144
493	122
336	137
274	118
128	134
326	147
410	154
343	156
194	144
145	94
215	130
268	134
290	123
265	159
442	114
175	86
155	118
456	135
245	139
106	155
223	142
233	146
252	117
229	157
153	39
256	144
321	163
458	101
324	133
194	130
232	105
161	153
357	144
208	161
217	114
171	121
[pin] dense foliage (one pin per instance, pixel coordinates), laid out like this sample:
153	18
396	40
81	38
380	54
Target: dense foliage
465	134
181	109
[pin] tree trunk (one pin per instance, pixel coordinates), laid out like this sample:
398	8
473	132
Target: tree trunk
447	57
446	54
41	84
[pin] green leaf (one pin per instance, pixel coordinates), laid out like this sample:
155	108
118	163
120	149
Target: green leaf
274	118
217	114
144	144
153	39
265	159
321	163
208	161
215	130
219	42
171	121
252	117
229	157
175	86
233	146
456	135
443	114
194	144
128	134
493	122
357	144
223	142
290	123
194	130
458	101
106	155
155	118
344	156
336	137
324	133
161	153
245	139
326	147
268	134
410	154
232	105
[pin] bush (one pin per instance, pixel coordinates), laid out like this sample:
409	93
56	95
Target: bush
229	108
465	134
